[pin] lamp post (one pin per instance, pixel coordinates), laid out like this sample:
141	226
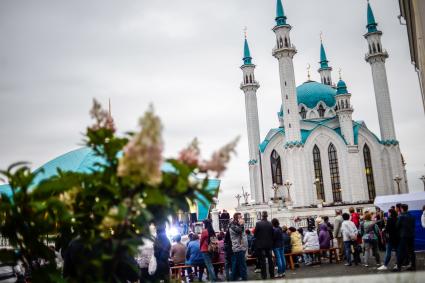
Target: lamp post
275	188
271	210
317	184
288	185
245	196
422	178
398	179
238	197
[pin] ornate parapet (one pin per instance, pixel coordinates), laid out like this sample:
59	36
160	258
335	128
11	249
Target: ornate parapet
292	144
389	142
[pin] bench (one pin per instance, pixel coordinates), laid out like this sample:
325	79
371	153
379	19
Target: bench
178	270
332	254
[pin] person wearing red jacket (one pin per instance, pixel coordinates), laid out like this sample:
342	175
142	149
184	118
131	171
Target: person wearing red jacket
355	218
206	235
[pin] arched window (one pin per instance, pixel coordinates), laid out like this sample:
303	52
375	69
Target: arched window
334	169
246	79
379	47
303	113
370	49
280	42
374	48
250	78
286	42
276	168
318	175
321	111
369	173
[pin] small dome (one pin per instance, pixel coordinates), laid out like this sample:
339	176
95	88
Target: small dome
341	87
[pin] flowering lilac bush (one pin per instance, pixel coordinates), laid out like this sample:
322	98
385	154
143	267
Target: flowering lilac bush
106	212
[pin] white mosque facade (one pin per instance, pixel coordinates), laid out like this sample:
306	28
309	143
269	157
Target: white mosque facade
317	154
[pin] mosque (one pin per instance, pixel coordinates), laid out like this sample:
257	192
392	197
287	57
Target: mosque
317	156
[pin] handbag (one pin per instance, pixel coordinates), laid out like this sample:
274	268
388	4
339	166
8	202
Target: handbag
152	265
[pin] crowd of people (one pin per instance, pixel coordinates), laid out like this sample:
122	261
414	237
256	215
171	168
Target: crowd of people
371	233
223	255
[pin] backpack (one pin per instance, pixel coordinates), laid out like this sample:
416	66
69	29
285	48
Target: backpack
213	245
370	231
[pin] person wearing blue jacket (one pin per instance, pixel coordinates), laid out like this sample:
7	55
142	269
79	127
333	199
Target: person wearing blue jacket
194	257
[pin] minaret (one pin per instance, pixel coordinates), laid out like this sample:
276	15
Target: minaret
249	86
376	58
344	112
324	70
284	53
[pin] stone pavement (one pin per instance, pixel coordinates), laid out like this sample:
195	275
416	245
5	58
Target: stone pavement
337	270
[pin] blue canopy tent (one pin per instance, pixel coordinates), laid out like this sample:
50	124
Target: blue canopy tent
415	201
83	160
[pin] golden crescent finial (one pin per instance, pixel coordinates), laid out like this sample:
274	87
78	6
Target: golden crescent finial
245	28
321	36
339	72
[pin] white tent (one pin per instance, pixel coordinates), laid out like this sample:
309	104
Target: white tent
415	201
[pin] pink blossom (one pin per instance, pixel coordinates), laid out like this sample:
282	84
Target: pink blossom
190	155
142	157
220	158
103	118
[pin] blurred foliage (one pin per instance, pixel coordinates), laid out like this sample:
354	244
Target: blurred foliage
107	212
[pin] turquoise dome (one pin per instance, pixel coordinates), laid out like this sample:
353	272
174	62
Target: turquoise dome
84	160
310	93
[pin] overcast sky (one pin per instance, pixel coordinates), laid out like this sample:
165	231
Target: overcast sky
184	56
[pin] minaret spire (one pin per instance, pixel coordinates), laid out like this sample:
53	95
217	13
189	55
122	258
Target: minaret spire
371	23
325	71
376	58
280	14
250	86
246	53
284	52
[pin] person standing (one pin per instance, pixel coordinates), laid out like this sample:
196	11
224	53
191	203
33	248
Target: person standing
264	244
349	236
239	247
406	247
161	250
369	231
228	252
355	217
423	217
337	231
225	217
278	248
391	235
330	229
324	237
208	240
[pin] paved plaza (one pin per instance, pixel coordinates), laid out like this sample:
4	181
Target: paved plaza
337	270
